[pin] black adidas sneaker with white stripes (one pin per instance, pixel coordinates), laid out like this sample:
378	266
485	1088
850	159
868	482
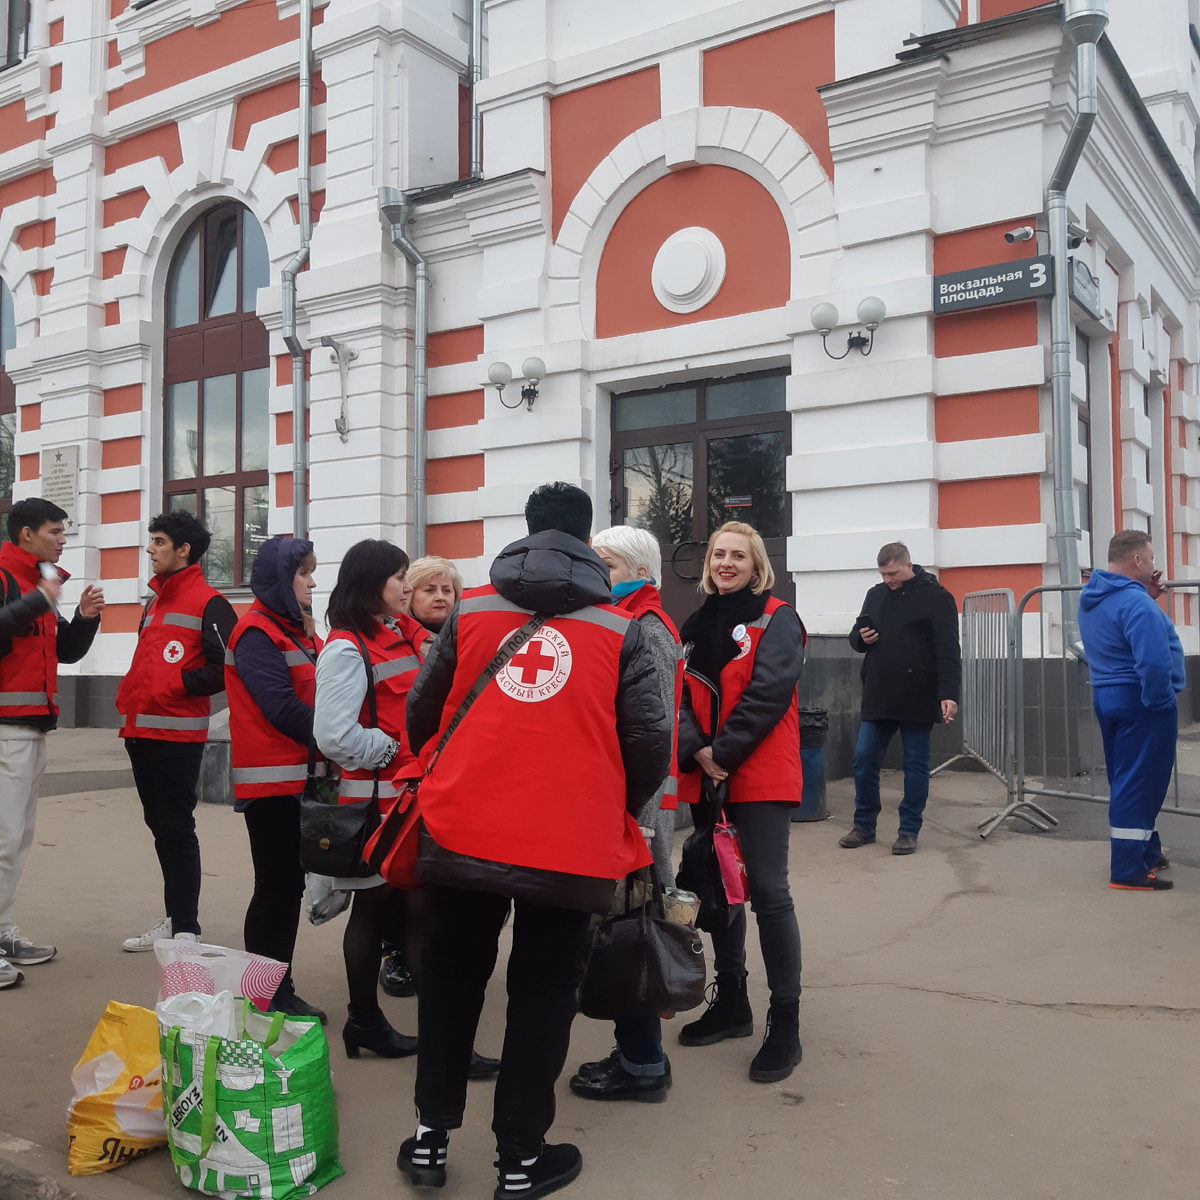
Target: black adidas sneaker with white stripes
423	1159
529	1178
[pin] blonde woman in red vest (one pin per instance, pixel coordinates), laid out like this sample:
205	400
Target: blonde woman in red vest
164	703
738	724
270	673
369	632
637	1069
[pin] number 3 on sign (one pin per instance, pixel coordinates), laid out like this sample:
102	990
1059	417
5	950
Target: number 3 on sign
1037	273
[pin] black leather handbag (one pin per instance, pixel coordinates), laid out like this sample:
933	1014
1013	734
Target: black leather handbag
699	871
642	965
333	835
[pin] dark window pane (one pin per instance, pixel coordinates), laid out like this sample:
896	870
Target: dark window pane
256	266
648	410
183	292
254	524
254	419
1085	506
1082	431
746	482
180	434
744	397
220	266
658	491
182	502
220	505
8	458
220	424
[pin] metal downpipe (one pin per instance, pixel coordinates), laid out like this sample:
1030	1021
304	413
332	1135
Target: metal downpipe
1084	25
476	76
293	268
396	214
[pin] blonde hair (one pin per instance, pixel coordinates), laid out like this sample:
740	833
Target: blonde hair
763	578
636	546
422	570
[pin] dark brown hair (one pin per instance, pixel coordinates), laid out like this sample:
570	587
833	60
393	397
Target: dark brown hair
892	552
1126	544
357	598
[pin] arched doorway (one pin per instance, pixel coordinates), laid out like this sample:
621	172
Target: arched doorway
216	381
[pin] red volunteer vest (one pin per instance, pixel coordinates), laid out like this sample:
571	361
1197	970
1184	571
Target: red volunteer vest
151	700
395	662
648	600
533	777
265	761
29	672
772	772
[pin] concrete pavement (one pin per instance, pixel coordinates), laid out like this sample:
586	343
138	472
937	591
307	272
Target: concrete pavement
981	1020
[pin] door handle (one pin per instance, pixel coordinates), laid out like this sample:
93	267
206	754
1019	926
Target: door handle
674	566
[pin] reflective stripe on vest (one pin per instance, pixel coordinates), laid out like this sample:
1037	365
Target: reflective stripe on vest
297	658
152	721
362	789
494	603
671	787
594	616
289	773
396	666
174	618
15	699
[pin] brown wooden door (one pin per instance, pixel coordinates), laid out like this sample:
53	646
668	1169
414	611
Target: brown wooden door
688	458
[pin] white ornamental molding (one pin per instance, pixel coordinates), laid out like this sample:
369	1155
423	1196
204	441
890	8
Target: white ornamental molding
752	140
688	269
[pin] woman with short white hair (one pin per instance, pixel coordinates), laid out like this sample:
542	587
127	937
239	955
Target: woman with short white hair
638	1069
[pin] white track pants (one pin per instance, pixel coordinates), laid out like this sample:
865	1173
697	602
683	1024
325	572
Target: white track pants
22	761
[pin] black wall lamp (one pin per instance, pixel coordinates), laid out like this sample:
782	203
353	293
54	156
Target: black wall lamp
871	312
500	376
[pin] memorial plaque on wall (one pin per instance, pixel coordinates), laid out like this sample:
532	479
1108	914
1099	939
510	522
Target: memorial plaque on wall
60	481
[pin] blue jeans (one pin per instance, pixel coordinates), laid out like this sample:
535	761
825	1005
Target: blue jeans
639	1040
873	739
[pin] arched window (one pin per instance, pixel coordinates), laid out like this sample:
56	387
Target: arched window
8	403
215	422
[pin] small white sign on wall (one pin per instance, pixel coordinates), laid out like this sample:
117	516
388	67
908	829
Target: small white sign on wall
60	482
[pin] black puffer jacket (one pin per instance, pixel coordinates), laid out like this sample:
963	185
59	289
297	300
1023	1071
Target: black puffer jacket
551	573
916	663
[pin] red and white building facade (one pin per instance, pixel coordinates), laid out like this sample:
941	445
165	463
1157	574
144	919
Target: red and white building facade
667	191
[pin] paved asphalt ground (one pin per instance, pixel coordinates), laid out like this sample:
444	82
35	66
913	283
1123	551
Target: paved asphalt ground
981	1020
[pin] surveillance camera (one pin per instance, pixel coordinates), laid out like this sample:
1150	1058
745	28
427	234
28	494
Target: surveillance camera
1076	236
1023	233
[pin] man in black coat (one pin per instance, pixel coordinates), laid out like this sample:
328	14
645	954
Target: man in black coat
908	630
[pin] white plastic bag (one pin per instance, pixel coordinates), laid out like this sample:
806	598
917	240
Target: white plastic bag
191	966
322	901
197	1012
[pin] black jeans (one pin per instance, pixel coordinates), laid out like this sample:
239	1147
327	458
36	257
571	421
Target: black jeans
763	828
273	915
373	912
165	774
546	966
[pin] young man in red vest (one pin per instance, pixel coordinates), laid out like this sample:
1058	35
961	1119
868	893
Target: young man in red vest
531	807
34	639
164	708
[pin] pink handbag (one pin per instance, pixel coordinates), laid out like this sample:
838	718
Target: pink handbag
729	859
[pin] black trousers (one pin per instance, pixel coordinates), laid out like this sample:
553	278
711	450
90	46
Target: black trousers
545	969
165	774
273	915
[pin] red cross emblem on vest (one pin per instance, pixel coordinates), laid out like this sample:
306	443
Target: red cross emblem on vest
539	669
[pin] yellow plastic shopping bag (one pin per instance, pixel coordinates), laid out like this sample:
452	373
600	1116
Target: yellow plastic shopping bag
116	1114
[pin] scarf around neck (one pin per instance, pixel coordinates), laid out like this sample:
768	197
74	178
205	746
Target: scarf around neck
710	631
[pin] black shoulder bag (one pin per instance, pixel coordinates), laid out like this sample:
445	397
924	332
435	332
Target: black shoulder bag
332	835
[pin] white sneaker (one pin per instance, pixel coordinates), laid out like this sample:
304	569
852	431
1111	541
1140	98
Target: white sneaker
20	951
9	975
146	940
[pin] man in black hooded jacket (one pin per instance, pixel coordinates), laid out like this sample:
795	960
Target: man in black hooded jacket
908	631
524	811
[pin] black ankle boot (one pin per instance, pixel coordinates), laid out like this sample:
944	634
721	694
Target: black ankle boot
554	1168
781	1050
376	1035
482	1067
423	1159
728	1013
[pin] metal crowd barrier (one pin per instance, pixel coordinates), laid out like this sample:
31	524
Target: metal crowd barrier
1066	758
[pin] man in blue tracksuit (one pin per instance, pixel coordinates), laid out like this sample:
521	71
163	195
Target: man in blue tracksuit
1136	665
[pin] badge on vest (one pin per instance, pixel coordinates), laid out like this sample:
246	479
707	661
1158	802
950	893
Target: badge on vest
173	651
539	669
742	637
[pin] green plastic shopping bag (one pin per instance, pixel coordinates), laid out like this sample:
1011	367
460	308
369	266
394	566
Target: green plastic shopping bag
255	1116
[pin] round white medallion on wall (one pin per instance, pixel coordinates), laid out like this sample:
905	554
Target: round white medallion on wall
688	270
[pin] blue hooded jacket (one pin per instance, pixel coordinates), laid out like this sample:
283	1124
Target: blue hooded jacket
1129	639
